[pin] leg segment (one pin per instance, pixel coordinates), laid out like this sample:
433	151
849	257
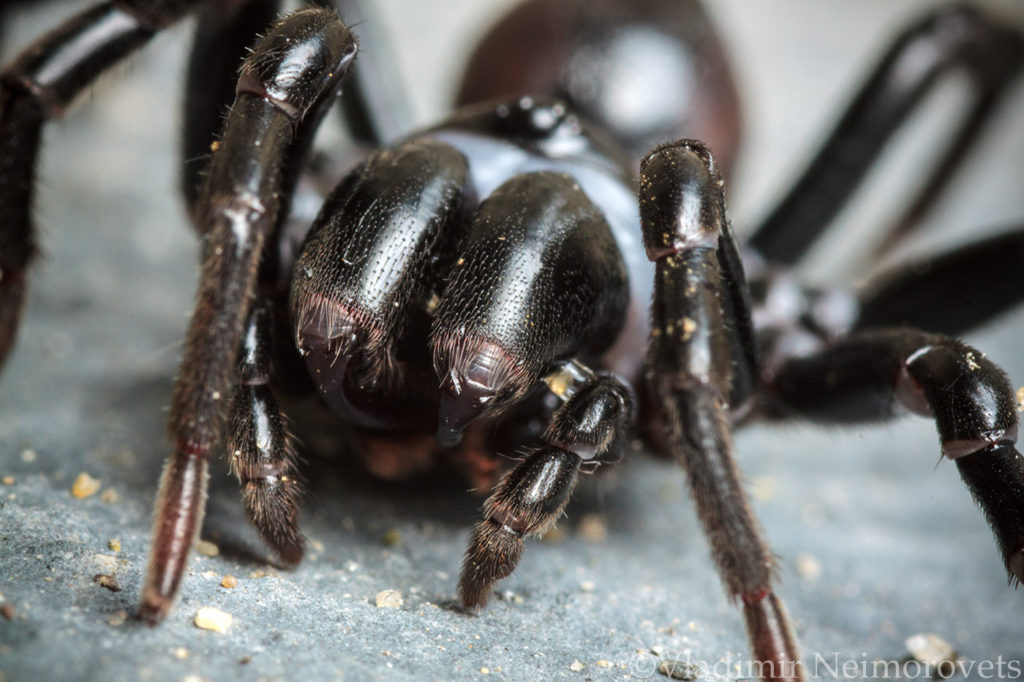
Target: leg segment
285	87
36	87
528	500
952	39
950	293
225	30
374	104
690	371
871	375
260	447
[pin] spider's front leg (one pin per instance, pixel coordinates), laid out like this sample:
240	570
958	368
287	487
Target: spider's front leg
285	87
698	367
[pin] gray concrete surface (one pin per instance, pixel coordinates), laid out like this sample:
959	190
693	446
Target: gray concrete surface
876	543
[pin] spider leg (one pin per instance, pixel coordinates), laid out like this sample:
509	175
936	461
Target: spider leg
690	371
950	293
284	89
225	31
528	500
37	87
260	448
949	40
871	375
374	104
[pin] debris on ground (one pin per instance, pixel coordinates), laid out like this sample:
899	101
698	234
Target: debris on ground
106	580
207	548
389	599
933	651
679	670
210	618
593	528
85	486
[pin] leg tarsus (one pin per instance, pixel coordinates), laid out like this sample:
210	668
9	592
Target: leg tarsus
180	505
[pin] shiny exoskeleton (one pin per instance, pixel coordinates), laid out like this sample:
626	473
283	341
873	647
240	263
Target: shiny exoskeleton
497	269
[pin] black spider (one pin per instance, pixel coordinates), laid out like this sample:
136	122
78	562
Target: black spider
521	293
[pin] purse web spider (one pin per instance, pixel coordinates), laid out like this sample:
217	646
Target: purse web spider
722	348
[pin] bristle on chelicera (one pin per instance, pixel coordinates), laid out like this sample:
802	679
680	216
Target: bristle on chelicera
328	330
477	376
1015	566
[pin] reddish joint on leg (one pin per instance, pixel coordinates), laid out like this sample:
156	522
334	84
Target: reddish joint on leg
771	637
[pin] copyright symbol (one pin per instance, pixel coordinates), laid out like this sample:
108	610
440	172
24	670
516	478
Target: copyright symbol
642	665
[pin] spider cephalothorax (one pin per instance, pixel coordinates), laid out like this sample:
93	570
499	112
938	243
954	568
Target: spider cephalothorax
493	269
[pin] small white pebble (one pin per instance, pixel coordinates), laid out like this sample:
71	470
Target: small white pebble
485	671
577	666
28	455
931	649
593	528
389	599
808	567
209	618
105	563
181	653
763	488
603	663
117	618
587	585
207	548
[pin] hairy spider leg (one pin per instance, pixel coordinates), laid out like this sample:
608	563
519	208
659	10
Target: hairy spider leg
588	428
949	40
949	293
37	87
375	112
376	108
225	32
259	446
877	374
285	88
689	370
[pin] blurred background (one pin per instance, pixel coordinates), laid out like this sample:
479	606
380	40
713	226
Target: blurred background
876	542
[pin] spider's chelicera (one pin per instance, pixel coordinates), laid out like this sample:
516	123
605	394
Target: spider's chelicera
495	270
